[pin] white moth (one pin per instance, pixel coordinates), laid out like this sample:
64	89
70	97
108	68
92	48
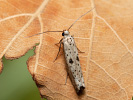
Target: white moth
71	57
72	60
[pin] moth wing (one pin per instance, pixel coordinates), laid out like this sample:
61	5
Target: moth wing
72	60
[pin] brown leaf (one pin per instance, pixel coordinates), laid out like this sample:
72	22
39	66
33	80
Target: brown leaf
105	35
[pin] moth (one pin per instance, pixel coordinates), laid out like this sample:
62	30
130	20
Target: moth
71	56
72	61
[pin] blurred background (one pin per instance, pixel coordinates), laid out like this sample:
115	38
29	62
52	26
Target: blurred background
16	82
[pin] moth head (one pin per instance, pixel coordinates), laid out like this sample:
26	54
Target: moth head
65	32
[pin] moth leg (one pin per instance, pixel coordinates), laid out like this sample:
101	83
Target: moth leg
80	51
66	78
57	44
59	49
77	47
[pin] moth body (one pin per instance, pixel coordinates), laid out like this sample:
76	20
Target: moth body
72	61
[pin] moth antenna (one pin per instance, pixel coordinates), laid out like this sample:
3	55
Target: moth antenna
42	33
80	17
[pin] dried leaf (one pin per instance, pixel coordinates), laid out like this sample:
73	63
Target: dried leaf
105	35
